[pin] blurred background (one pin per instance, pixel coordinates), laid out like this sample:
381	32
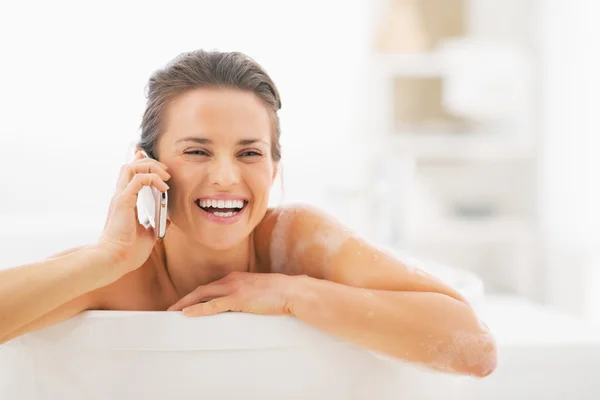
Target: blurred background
461	131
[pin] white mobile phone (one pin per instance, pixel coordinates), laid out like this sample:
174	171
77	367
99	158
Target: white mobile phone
152	208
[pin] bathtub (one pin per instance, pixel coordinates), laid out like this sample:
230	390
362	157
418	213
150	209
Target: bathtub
158	355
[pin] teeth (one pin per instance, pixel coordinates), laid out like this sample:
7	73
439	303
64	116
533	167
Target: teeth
224	214
221	203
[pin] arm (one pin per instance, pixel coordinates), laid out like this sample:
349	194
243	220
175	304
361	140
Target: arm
42	293
337	282
39	294
371	298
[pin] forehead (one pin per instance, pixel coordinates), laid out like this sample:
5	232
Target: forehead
217	114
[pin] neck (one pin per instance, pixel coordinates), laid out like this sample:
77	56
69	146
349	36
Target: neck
190	264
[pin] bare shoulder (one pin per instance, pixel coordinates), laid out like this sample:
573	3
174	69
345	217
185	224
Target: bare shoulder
295	239
303	240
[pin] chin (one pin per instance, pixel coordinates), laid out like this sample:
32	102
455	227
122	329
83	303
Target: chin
226	243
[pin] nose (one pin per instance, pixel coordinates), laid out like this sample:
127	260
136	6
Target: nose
224	172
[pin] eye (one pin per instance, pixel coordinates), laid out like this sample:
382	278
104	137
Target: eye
250	153
196	152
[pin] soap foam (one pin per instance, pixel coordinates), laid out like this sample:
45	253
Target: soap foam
327	240
472	350
278	250
330	238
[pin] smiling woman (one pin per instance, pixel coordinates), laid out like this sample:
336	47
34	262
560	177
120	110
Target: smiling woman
212	128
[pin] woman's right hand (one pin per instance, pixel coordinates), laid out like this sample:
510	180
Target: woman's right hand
127	242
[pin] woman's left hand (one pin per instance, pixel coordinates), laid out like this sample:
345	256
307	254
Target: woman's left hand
256	293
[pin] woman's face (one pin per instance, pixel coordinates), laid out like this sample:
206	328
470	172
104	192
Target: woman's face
217	145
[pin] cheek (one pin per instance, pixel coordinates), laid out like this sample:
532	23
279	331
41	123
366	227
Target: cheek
259	180
182	181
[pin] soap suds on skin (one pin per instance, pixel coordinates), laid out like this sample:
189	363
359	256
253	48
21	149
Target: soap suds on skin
330	239
473	350
465	350
278	250
327	240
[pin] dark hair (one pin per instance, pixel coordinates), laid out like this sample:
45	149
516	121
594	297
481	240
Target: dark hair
199	69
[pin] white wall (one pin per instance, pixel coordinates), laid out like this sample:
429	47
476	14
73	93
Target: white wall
73	73
570	171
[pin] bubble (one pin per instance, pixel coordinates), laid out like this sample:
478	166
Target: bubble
278	251
465	351
327	240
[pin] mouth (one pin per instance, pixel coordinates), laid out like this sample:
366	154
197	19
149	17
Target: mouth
222	208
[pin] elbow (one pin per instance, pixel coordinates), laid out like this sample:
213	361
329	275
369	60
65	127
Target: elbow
485	368
471	354
481	357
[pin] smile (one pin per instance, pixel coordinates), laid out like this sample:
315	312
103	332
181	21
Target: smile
222	211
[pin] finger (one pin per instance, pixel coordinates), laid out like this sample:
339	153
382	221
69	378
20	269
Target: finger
145	166
141	160
138	155
201	294
150	161
128	198
215	306
141	167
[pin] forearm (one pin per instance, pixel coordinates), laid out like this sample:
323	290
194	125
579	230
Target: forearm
30	291
423	327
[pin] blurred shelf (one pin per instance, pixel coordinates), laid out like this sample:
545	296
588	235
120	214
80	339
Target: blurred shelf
418	65
517	321
474	231
457	146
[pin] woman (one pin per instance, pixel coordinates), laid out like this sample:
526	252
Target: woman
212	130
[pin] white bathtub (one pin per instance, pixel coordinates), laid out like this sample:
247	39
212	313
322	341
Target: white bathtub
158	355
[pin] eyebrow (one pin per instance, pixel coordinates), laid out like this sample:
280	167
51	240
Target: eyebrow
199	140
